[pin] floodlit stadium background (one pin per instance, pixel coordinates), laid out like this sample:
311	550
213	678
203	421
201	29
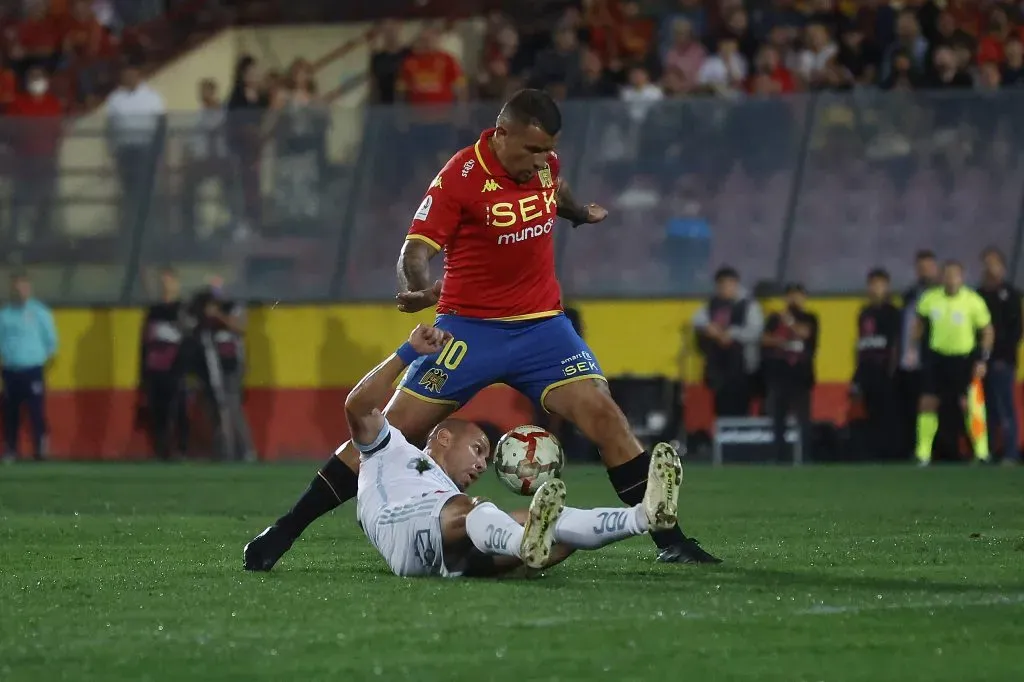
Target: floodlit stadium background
815	186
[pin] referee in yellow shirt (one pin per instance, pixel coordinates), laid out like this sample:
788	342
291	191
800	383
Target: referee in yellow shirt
953	315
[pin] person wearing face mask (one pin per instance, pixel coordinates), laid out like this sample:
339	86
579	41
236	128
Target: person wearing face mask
789	345
36	141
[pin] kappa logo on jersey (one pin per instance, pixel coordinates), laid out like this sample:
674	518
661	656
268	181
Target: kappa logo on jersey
544	175
468	167
437	182
490	186
424	210
434	380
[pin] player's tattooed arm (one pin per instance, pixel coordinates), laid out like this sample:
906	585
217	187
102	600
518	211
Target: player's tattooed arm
415	290
414	265
572	210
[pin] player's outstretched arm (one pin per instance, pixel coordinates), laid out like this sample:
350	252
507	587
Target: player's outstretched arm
415	289
362	406
572	210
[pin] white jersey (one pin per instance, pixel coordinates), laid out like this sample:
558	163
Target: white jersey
401	493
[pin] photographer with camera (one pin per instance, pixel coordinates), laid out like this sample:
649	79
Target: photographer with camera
219	329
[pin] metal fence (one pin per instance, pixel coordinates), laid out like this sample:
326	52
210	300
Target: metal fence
312	203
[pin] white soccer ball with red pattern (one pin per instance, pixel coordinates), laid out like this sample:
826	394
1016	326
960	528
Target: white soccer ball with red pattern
527	457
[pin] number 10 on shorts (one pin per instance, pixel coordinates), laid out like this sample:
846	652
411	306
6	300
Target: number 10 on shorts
452	354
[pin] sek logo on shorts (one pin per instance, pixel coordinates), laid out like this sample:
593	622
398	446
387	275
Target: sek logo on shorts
434	380
581	363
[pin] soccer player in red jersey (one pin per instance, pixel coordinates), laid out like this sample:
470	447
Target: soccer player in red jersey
492	209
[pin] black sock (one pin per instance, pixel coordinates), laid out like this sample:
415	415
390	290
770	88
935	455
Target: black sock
630	483
333	485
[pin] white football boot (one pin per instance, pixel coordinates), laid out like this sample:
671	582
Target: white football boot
664	478
539	531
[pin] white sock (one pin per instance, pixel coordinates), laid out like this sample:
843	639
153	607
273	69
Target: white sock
594	528
492	531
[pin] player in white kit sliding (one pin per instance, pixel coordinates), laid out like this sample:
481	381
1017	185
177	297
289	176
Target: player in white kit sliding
411	502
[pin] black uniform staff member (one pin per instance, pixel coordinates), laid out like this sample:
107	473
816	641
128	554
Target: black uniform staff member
952	315
164	365
908	375
878	332
789	343
1004	304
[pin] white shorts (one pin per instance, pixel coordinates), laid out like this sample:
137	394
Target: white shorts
407	533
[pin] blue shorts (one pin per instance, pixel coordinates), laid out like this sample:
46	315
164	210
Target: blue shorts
531	356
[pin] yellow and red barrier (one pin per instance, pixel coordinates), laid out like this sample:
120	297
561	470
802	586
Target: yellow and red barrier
303	359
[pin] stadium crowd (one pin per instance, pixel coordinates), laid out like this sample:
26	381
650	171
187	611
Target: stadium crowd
643	51
77	44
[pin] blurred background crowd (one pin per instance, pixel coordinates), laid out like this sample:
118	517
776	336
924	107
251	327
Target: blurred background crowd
727	130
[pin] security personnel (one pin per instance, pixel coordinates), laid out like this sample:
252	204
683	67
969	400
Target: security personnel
1004	304
789	344
952	316
878	331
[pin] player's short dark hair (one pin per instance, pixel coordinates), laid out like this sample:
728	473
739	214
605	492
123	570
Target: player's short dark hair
924	254
994	251
796	288
532	107
878	273
726	272
953	263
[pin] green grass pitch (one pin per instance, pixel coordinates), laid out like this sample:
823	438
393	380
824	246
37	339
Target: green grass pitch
122	572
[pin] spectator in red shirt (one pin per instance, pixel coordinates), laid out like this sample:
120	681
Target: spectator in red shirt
770	76
89	47
8	84
36	143
429	75
37	38
687	54
635	34
990	48
83	35
431	80
966	14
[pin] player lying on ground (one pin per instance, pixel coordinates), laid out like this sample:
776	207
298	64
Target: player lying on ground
492	209
412	507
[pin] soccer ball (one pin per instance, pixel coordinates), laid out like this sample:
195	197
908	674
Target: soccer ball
527	457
